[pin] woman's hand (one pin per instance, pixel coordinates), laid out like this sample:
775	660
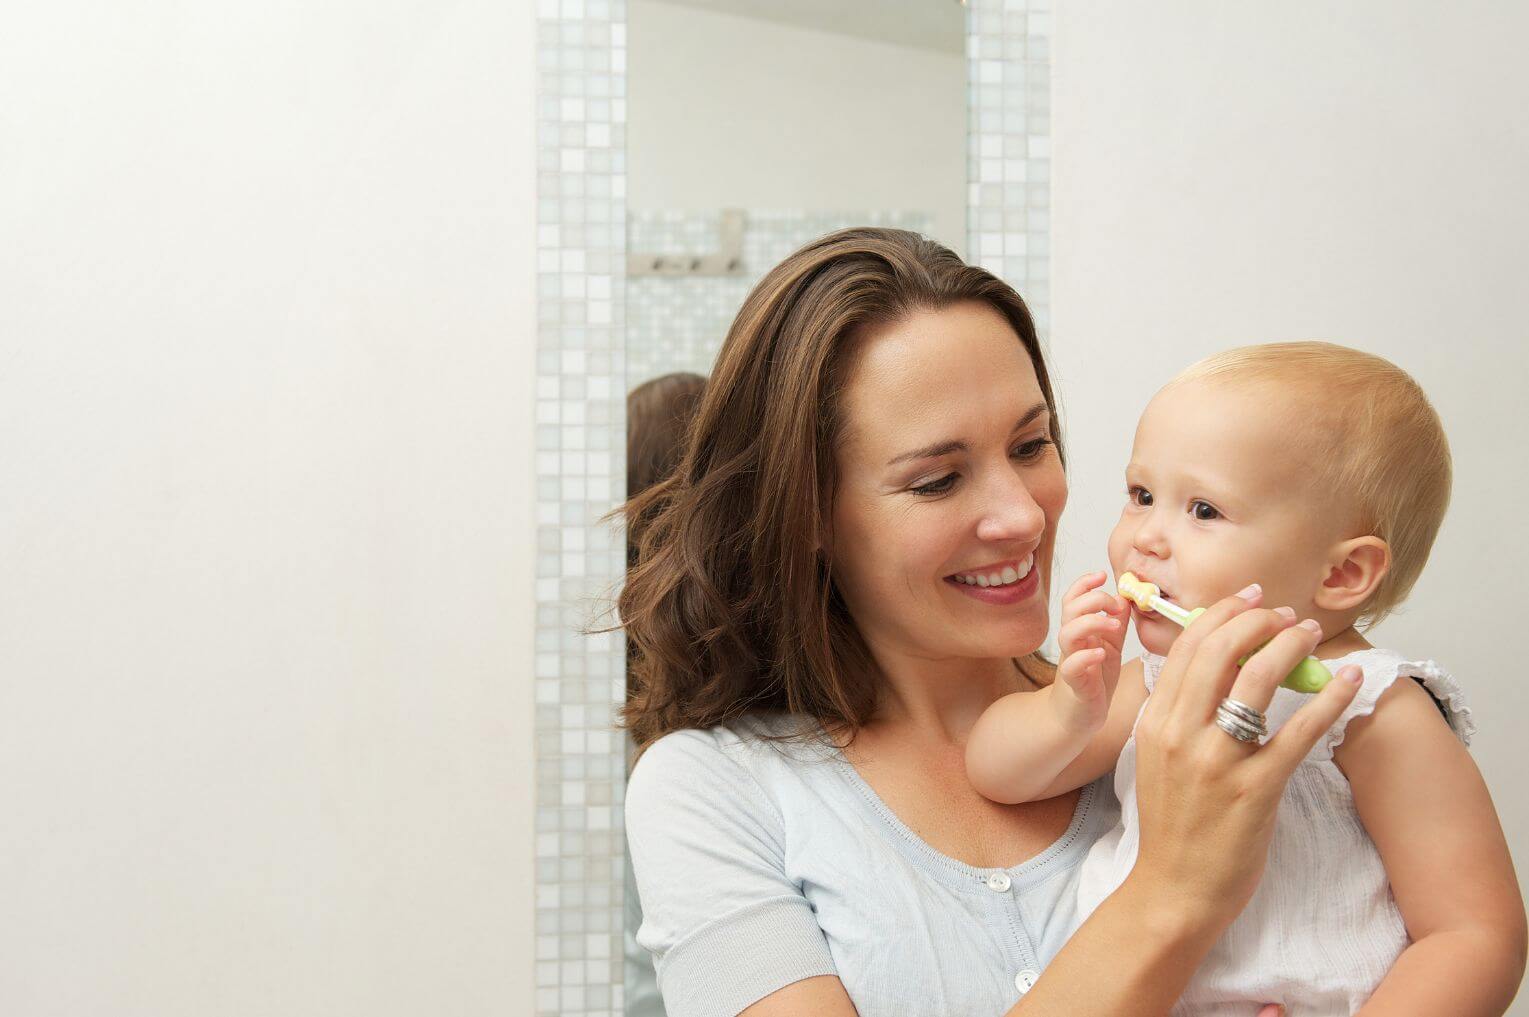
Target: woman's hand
1090	639
1207	801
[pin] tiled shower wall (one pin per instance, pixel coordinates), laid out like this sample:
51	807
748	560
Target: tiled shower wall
582	377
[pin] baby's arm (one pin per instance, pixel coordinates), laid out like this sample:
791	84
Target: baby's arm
1424	804
1032	745
1020	751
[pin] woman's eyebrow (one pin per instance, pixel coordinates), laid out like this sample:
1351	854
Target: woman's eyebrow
942	448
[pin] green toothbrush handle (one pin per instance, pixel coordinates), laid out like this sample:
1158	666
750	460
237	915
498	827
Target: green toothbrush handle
1310	675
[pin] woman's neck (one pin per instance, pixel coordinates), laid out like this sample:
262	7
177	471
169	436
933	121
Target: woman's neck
941	700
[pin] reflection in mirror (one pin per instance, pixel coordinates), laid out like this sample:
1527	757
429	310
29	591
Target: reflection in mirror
753	127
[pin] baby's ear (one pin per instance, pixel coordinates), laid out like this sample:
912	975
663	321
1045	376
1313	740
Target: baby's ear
1354	571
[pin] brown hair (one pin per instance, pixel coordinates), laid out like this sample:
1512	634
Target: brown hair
657	414
730	608
1377	445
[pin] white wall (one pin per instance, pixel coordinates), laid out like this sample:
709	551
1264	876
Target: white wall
1231	173
265	514
726	111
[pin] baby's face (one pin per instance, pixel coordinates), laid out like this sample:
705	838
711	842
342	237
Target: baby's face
1219	495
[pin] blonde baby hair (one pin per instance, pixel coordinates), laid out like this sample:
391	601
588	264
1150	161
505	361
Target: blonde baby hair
1376	443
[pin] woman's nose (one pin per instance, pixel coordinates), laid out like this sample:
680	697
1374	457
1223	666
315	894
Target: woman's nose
1012	515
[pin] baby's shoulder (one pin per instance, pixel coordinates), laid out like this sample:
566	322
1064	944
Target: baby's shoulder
1383	670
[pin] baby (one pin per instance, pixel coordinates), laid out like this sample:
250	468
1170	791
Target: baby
1323	474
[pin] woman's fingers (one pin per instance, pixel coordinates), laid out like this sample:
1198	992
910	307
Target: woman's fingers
1185	646
1296	737
1209	676
1267	668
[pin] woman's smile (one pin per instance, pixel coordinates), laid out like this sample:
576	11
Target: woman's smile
1004	582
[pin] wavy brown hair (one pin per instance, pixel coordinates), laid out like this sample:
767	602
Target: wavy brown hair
729	607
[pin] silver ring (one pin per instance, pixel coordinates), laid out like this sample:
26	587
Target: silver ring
1235	728
1241	721
1238	708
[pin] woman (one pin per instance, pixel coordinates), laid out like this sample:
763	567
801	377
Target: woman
880	421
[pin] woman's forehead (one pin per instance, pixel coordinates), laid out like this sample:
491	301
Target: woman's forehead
955	369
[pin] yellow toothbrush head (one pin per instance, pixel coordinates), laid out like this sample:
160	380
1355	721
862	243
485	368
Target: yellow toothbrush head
1137	591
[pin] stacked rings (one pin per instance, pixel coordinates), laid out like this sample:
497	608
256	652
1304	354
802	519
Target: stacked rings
1241	721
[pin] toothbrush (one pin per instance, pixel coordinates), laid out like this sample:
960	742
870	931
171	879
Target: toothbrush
1310	675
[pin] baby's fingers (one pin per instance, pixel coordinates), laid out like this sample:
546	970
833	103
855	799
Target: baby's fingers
1087	581
1087	632
1082	674
1093	602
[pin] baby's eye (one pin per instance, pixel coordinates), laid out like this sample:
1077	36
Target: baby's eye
1204	511
1139	496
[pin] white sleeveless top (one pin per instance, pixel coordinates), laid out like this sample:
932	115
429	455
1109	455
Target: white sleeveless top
1322	929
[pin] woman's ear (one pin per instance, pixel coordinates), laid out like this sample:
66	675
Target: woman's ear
823	537
822	544
1354	571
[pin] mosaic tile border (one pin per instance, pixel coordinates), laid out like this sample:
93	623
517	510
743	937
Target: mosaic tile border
580	476
580	409
1008	109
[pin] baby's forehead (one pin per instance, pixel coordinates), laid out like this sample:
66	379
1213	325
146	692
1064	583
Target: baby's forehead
1270	438
1253	408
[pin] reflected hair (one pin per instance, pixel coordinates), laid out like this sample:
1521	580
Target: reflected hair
729	608
658	412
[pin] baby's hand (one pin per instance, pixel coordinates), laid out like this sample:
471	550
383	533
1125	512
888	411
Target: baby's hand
1092	633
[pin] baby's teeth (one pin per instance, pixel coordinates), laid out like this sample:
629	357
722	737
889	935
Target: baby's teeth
1009	575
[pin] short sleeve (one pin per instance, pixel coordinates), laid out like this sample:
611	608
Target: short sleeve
725	924
1380	673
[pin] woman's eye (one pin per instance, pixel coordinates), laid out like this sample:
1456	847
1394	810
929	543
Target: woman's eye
1204	511
1030	449
1139	496
940	486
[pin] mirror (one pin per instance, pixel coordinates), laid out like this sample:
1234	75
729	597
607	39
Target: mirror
753	127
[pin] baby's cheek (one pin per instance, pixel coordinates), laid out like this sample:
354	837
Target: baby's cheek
1116	550
1157	635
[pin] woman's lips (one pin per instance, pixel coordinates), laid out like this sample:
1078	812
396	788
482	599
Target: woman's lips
1012	593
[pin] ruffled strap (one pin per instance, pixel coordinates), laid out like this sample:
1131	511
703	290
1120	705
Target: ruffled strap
1381	670
1446	692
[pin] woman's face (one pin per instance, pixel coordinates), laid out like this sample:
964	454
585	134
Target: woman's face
949	489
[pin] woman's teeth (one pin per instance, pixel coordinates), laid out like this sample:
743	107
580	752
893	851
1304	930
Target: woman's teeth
1007	576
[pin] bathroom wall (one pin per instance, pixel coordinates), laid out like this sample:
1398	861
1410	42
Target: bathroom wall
268	334
1351	172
